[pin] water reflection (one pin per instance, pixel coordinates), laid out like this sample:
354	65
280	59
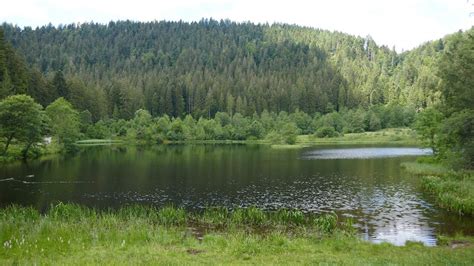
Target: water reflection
385	203
364	153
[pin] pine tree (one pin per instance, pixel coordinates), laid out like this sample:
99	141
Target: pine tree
60	85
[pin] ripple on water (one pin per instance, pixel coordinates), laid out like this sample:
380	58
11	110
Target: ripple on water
387	213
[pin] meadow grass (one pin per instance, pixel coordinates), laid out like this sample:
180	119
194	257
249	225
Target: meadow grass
389	136
401	136
454	190
74	235
289	146
98	141
425	169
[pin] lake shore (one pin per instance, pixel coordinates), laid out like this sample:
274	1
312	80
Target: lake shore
70	234
390	136
454	190
395	136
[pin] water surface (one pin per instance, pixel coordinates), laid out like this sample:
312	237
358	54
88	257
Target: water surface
364	153
366	184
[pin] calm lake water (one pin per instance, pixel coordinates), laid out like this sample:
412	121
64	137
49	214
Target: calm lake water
366	184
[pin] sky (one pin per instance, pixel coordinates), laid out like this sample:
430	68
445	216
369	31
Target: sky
403	24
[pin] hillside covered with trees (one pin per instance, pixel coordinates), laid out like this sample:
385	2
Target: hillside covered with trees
202	68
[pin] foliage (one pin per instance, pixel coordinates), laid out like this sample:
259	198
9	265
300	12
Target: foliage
326	132
64	123
449	129
455	70
457	139
141	126
21	119
427	125
279	128
13	70
179	68
289	133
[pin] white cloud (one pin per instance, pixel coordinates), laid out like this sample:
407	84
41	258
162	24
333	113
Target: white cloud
403	23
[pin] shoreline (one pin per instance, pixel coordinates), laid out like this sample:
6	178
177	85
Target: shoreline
72	234
453	190
391	136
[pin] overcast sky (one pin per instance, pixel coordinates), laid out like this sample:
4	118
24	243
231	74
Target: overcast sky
401	23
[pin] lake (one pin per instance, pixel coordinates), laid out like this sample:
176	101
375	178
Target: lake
366	184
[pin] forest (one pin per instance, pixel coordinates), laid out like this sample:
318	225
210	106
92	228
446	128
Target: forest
202	68
221	80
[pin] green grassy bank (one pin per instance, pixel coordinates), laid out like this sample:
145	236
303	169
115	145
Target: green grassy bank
453	190
86	142
401	136
391	136
69	234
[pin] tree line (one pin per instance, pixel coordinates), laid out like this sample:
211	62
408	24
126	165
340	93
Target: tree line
25	123
280	127
448	126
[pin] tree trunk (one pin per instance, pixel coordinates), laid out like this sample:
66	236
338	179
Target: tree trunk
25	151
9	139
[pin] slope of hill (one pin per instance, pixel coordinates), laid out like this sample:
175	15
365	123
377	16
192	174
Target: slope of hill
204	67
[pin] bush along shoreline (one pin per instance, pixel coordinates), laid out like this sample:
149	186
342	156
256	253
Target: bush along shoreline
72	234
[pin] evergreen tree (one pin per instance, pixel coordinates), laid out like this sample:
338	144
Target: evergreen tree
59	85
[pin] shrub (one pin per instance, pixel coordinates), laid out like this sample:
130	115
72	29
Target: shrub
326	132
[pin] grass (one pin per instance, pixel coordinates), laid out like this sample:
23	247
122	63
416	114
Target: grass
98	141
289	146
425	169
454	190
70	234
386	136
393	136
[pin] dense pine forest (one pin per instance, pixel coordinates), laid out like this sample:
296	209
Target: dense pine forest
201	68
161	81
